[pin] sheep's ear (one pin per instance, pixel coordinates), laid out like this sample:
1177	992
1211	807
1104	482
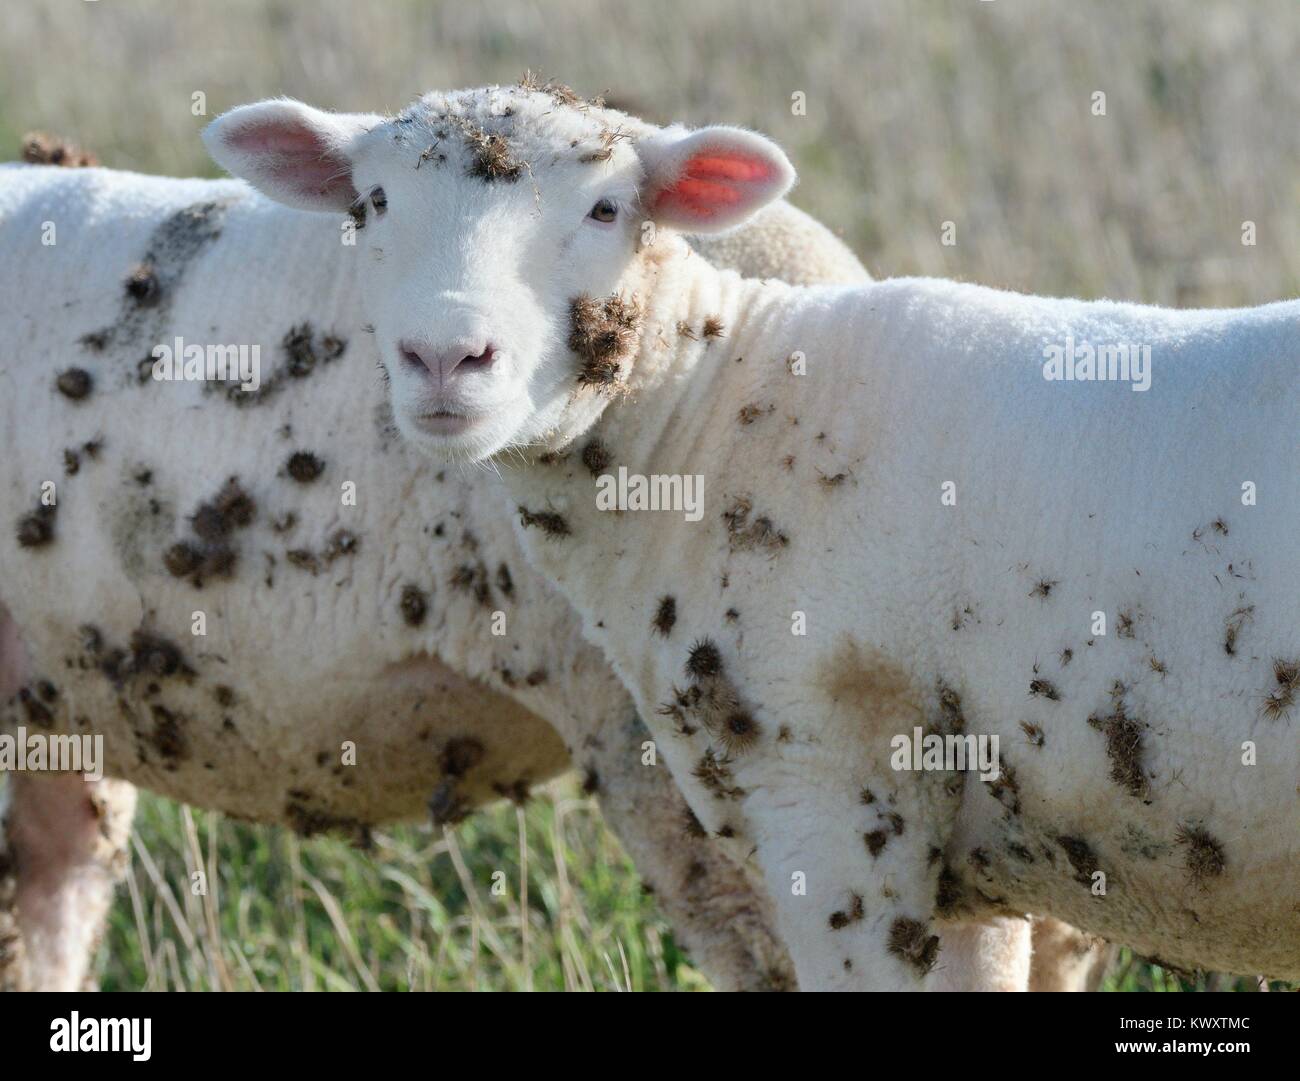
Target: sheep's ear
713	179
295	154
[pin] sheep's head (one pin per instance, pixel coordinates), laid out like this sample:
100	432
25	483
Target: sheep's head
503	227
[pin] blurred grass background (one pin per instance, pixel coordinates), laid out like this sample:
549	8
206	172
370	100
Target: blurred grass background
423	911
917	112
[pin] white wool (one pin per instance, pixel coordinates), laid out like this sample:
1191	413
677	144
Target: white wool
914	385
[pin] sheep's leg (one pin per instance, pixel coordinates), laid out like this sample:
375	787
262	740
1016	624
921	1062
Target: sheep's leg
990	955
851	920
63	846
715	911
13	960
1066	959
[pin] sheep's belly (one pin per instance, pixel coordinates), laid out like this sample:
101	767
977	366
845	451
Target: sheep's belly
1248	923
336	754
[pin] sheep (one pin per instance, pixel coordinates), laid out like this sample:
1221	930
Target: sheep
445	725
783	242
914	448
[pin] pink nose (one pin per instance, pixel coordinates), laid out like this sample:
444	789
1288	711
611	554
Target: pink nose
462	355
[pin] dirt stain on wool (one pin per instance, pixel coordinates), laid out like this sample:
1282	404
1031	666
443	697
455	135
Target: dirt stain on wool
304	467
151	282
869	688
472	578
414	605
213	554
550	523
304	350
75	384
839	920
35	530
1081	856
665	615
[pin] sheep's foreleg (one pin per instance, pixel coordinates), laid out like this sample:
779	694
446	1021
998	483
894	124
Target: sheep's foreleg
853	918
63	847
713	906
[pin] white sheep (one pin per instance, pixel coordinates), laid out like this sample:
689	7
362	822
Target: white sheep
404	663
926	518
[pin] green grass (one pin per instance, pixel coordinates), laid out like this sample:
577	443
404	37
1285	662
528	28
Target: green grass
423	911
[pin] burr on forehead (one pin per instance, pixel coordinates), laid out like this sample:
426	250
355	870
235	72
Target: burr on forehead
507	130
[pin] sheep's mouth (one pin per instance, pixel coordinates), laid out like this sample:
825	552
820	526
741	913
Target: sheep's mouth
444	422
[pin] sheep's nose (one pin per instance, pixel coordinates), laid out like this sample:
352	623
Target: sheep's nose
462	355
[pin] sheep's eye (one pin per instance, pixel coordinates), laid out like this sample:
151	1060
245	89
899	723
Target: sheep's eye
605	210
379	200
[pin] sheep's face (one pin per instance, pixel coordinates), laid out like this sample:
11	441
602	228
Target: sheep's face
500	232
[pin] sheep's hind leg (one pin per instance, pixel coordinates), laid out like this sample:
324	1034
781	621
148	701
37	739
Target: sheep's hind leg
63	847
1067	959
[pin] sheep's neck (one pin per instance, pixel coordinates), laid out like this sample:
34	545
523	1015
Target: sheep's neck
697	322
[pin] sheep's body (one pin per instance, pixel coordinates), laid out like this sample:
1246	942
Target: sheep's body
782	242
296	660
828	506
906	531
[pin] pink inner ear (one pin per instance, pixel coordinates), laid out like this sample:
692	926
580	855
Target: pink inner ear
713	182
276	138
732	167
295	156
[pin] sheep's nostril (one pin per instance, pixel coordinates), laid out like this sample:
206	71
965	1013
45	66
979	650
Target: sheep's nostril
463	355
482	360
